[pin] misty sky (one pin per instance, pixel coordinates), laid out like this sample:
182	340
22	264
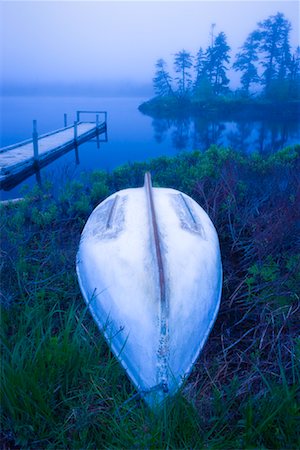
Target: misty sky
97	41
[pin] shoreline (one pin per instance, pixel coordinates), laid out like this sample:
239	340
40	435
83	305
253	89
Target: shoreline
160	107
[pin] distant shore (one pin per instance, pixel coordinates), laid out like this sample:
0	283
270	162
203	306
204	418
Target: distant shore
228	107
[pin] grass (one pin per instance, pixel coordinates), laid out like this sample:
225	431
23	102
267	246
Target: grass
60	385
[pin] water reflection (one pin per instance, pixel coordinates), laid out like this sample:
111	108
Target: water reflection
181	133
244	135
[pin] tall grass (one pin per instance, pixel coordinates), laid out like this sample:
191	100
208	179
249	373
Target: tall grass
60	385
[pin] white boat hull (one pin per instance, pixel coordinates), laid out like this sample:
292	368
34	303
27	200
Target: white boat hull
150	271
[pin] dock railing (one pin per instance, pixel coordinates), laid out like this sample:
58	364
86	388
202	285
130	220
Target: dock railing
19	159
80	113
100	125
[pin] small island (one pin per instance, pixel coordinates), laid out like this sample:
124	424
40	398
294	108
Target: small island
270	77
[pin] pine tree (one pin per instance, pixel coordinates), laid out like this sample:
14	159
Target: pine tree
275	50
182	64
217	56
246	61
294	75
202	86
162	80
200	66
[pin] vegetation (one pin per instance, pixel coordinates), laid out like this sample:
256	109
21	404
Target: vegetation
62	388
266	62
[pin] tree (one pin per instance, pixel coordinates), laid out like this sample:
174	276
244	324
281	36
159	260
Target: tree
203	91
246	61
199	67
294	75
275	49
217	56
182	63
162	80
202	87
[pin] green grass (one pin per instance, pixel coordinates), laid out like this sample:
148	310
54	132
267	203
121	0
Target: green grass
61	387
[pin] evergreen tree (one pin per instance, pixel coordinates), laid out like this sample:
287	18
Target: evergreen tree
199	67
275	49
202	86
284	58
246	61
217	56
294	75
182	63
162	80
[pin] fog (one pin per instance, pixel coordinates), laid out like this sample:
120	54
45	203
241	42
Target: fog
114	45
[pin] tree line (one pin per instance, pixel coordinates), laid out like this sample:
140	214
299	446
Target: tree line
266	62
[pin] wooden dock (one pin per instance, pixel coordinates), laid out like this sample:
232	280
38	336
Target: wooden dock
21	160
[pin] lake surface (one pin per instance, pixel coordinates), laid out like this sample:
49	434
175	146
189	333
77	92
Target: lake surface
132	136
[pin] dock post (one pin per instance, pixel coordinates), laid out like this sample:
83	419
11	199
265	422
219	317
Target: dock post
38	176
77	156
97	131
75	132
78	116
35	141
105	119
65	120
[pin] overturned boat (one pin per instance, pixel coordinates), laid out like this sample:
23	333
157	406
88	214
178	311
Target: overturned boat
149	269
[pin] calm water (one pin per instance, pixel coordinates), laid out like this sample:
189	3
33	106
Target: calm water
131	135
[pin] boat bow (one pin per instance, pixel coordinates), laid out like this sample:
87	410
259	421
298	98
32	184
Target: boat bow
150	271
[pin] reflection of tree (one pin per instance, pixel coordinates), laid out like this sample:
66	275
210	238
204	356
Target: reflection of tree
272	136
279	136
247	136
262	137
180	136
207	132
161	127
238	139
293	130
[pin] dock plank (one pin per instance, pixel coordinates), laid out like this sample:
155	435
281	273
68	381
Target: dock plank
19	157
49	143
